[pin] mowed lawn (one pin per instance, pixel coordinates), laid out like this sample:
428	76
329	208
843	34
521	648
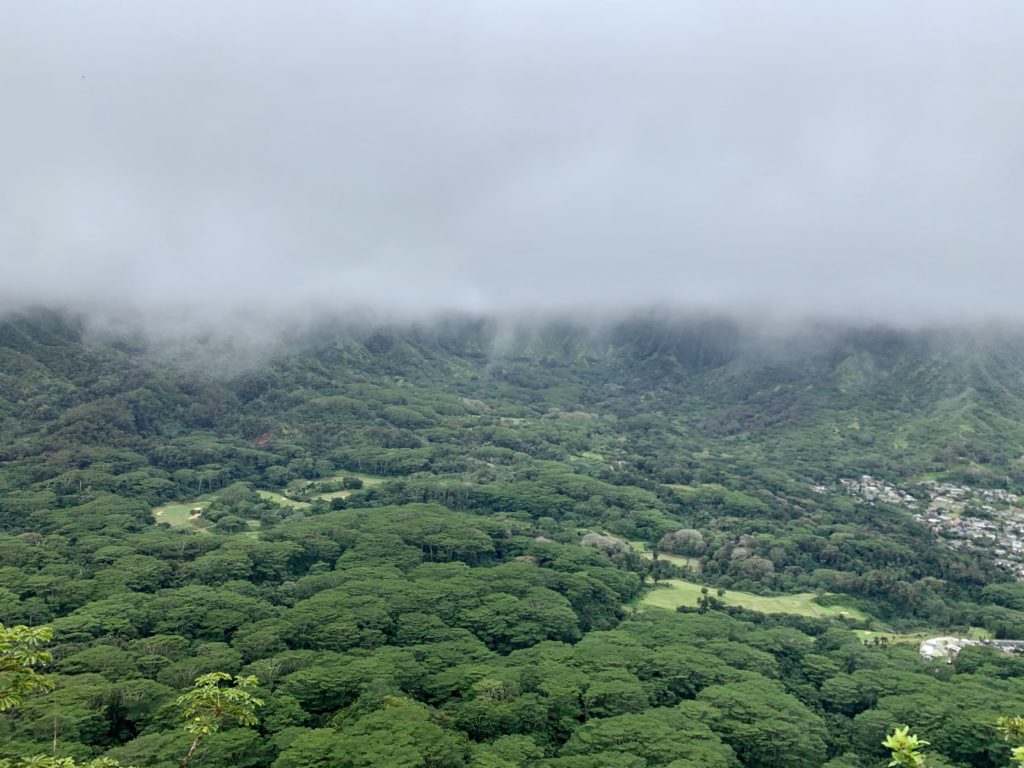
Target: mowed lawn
284	501
367	479
693	563
974	633
300	485
180	515
676	592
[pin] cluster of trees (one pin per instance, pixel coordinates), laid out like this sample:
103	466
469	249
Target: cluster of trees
660	689
449	613
215	698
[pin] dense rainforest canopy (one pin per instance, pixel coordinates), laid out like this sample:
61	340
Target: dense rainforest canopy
436	545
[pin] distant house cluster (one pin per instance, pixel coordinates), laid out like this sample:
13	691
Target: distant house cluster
948	647
869	489
988	520
983	519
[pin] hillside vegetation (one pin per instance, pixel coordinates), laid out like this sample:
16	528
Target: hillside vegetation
417	539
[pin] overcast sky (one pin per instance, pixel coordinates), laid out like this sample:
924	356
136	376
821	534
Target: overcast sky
806	157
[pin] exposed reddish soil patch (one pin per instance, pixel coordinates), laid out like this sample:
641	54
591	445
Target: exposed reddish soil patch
260	441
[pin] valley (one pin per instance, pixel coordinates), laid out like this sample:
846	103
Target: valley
570	549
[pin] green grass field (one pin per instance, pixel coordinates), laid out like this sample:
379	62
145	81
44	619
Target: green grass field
678	592
367	479
693	563
180	515
975	633
298	485
301	484
334	495
284	501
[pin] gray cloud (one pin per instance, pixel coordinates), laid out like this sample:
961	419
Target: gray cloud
794	157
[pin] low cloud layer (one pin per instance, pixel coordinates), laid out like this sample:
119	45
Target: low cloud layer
854	159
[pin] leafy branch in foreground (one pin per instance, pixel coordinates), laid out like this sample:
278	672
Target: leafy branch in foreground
906	748
21	653
215	698
1012	729
44	761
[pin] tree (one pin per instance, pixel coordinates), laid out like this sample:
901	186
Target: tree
21	653
767	727
685	541
708	602
210	703
400	734
659	736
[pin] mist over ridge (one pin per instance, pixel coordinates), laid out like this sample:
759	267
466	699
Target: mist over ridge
226	346
511	384
221	162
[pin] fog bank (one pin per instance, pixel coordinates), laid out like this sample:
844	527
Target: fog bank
235	162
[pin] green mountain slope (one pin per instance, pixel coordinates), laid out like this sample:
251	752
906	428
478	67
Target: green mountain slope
416	538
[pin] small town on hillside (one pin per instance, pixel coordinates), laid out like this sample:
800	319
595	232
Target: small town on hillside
989	520
947	648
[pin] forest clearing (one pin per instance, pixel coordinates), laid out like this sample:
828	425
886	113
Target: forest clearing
677	592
